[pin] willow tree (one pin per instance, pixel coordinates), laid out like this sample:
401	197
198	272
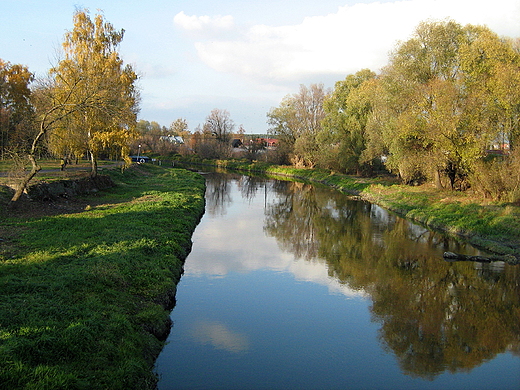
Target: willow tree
439	105
297	122
416	110
93	79
491	67
342	139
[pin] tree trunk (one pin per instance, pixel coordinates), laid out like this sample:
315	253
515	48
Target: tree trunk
93	165
510	259
437	179
35	168
451	171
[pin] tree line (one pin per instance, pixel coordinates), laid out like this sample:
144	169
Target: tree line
445	110
215	138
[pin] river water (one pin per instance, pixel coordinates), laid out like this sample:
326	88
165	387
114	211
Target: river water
292	286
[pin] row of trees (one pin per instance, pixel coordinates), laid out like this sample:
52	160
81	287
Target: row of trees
447	96
87	105
211	140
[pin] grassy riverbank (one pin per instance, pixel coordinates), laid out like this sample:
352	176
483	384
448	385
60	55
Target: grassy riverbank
494	226
86	284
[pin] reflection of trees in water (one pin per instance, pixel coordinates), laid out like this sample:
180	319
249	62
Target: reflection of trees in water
437	316
217	194
434	315
249	186
291	218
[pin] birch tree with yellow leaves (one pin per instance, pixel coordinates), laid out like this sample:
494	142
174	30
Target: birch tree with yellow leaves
90	102
94	79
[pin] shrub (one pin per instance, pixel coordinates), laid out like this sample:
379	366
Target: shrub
498	177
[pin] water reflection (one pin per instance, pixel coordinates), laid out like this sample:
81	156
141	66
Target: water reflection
434	316
220	336
298	287
218	196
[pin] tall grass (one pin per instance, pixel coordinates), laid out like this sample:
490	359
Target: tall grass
84	302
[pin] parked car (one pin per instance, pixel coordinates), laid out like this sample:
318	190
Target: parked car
140	159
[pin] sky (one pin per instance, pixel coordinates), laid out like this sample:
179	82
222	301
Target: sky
241	56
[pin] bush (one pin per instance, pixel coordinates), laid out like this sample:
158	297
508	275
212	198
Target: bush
498	177
278	155
212	149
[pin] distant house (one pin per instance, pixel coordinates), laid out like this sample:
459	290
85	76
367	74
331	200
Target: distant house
267	142
174	139
271	142
499	149
236	143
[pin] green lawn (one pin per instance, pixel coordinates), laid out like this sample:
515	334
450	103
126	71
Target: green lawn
84	295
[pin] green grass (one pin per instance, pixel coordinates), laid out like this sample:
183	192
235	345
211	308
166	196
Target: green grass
84	293
494	226
341	182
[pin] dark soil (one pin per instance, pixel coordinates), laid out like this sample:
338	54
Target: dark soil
26	208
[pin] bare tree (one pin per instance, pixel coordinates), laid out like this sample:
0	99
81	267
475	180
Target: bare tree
220	125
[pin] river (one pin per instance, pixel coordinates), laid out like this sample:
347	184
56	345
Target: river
294	286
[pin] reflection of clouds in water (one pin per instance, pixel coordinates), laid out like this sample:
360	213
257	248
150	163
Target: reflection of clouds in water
237	242
218	252
218	335
234	243
317	272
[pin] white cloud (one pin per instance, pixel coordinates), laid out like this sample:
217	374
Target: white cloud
317	272
204	25
355	37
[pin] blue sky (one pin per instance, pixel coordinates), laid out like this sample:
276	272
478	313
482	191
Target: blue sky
242	56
